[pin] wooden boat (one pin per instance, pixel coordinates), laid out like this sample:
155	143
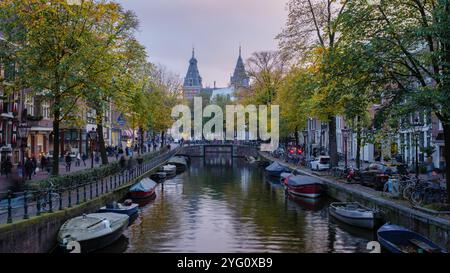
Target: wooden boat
303	185
170	170
180	163
93	231
354	214
398	239
144	189
275	169
158	177
128	207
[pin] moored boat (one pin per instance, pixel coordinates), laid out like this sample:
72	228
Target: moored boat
398	239
275	169
354	214
180	163
92	231
170	170
128	207
144	189
158	177
303	185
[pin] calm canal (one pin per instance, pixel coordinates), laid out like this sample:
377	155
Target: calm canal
220	205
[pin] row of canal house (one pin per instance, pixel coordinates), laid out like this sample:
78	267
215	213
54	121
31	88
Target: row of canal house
21	109
424	129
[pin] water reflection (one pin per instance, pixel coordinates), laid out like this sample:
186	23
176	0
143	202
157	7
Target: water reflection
233	208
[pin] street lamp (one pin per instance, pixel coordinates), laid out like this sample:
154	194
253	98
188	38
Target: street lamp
417	125
93	137
23	132
345	134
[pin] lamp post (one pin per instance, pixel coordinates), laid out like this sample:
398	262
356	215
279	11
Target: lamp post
23	132
417	125
323	128
93	137
345	133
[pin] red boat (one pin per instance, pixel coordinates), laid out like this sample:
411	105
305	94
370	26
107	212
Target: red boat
144	189
302	185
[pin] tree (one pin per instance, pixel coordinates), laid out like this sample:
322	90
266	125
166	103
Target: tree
58	45
313	28
411	39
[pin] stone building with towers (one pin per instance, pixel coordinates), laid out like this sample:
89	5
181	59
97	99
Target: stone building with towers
193	85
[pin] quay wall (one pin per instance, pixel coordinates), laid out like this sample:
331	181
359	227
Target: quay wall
39	234
433	227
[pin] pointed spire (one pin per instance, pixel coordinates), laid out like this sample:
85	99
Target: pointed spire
193	52
239	77
240	50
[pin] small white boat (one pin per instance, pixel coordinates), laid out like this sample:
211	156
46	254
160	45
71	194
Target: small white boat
354	214
169	169
93	231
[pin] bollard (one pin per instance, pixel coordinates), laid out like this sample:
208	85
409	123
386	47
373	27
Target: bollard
90	190
9	220
78	195
50	201
60	199
84	193
70	198
25	205
38	204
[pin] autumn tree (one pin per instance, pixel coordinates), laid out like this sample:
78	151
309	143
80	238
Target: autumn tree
313	28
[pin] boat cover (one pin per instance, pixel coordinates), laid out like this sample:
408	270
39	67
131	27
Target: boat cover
300	180
145	185
176	160
277	167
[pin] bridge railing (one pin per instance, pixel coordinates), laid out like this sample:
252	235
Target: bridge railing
22	205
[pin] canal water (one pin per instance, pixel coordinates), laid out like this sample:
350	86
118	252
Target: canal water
225	205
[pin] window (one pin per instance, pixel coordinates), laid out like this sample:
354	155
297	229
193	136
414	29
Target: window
29	104
45	109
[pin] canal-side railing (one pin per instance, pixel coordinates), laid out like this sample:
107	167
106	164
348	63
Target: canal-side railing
23	205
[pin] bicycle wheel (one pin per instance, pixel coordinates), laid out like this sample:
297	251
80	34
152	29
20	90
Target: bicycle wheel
417	198
407	191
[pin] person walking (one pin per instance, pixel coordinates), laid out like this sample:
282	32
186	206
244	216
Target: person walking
35	165
84	157
78	161
7	167
29	166
68	162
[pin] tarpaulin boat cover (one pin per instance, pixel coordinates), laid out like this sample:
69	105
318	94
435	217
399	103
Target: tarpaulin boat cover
145	184
178	161
277	167
298	180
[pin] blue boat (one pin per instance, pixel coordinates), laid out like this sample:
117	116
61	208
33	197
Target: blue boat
398	239
128	208
275	169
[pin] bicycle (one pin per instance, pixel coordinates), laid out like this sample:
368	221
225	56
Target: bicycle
428	192
44	200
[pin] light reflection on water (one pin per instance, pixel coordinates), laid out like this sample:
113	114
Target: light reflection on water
220	205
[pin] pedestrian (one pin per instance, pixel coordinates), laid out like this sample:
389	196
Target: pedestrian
96	158
430	169
78	161
43	162
29	166
84	157
35	165
68	162
7	167
122	162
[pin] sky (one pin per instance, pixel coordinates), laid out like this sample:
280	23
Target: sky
170	28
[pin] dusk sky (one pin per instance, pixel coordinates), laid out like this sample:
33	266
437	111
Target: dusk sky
169	29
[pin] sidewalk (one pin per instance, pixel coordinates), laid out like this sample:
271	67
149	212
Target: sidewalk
12	182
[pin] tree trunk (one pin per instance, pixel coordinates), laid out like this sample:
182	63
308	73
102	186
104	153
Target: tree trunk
141	140
334	159
447	156
358	144
296	137
56	116
101	139
162	139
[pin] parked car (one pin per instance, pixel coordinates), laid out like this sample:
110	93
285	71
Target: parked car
376	175
321	163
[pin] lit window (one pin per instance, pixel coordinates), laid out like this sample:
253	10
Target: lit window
45	109
29	104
